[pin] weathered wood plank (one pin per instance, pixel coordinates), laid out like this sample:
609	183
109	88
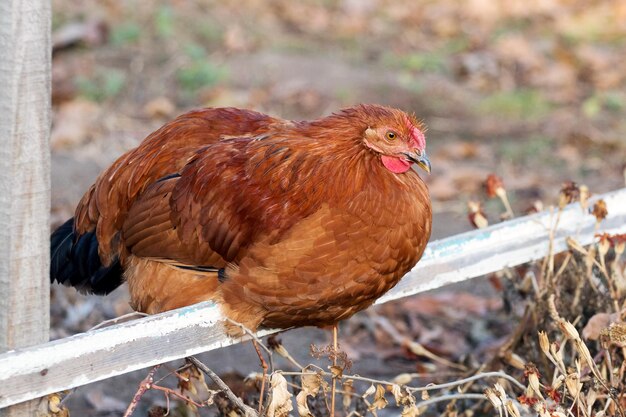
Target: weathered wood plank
89	357
24	177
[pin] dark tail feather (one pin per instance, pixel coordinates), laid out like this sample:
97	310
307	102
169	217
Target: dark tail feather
74	261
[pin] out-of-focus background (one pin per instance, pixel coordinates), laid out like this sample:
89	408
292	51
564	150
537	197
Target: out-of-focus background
534	91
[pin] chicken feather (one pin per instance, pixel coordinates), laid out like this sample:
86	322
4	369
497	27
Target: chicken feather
282	223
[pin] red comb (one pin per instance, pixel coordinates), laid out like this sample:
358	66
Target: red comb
417	136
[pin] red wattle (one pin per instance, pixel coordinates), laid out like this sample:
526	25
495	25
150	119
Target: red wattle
395	165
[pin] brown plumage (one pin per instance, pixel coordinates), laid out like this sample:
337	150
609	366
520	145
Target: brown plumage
282	223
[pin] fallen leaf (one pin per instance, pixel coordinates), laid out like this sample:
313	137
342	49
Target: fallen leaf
160	107
595	325
73	123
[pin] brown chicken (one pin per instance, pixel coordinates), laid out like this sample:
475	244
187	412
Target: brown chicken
281	223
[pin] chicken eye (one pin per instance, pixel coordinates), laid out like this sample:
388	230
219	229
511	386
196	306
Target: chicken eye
391	135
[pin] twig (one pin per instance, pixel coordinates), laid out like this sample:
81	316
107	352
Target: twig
264	367
143	387
451	397
148	383
429	387
251	334
548	263
505	201
116	320
248	411
169	391
334	378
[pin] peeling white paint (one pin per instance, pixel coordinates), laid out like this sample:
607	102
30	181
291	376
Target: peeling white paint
78	360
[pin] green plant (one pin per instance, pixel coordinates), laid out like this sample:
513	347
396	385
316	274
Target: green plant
164	22
103	85
200	72
517	104
125	33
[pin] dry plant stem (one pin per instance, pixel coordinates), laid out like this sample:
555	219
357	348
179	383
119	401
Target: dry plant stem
169	391
334	387
566	262
148	383
581	348
116	320
429	387
463	389
143	387
264	367
505	202
450	397
548	263
252	335
247	411
176	373
291	359
610	283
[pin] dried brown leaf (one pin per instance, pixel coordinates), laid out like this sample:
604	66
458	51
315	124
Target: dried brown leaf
311	384
380	401
280	398
410	411
336	371
402	395
599	210
370	391
348	389
570	192
493	185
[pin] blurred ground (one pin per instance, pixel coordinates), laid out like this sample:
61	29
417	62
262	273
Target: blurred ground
532	90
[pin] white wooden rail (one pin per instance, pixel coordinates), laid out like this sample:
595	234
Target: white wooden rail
32	372
25	50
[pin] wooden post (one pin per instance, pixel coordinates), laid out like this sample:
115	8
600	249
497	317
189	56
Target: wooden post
25	59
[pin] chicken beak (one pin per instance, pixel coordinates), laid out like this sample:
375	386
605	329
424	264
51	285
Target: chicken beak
419	158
